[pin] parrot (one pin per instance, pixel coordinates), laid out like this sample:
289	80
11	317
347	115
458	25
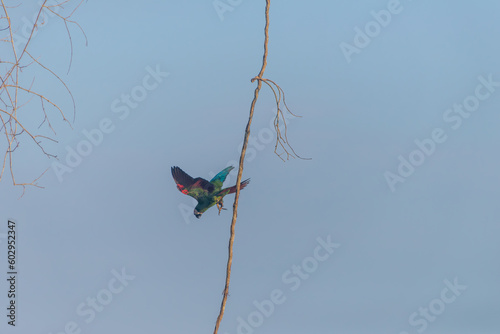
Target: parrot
206	193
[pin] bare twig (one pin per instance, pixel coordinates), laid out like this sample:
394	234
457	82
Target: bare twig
281	139
66	21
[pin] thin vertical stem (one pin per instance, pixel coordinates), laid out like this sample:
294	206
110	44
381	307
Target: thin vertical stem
240	170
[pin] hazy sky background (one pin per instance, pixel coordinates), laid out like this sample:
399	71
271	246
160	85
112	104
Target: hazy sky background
397	251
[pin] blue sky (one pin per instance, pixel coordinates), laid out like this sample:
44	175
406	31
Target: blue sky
392	227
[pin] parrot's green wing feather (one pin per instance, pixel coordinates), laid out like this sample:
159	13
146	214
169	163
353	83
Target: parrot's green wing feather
219	179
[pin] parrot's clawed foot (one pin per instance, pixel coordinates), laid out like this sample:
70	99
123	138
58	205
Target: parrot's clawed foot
220	205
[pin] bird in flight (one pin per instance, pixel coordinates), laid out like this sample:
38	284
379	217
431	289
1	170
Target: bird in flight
206	193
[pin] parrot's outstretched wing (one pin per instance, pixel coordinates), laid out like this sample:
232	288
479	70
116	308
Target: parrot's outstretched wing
219	179
189	186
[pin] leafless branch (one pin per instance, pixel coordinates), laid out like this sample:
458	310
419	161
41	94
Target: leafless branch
15	93
240	171
281	140
281	135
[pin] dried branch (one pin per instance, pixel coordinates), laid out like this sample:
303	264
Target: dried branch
15	94
240	171
281	139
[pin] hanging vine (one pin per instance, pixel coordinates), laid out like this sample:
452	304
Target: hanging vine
281	141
